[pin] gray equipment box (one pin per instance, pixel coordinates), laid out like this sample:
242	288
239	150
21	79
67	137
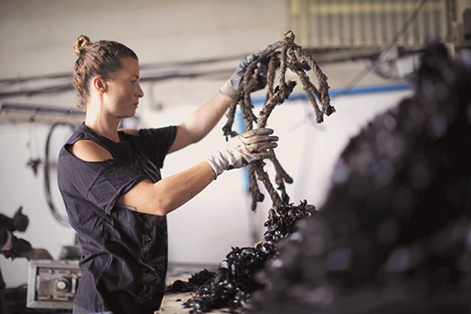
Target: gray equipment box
52	284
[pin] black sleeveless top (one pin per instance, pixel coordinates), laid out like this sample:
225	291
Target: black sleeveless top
124	261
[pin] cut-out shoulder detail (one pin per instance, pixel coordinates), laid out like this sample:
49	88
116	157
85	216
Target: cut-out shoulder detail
87	150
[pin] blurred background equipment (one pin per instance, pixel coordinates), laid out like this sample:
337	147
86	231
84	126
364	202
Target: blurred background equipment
52	284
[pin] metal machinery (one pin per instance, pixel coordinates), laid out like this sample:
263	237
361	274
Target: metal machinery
52	284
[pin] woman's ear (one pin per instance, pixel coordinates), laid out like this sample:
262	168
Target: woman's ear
99	84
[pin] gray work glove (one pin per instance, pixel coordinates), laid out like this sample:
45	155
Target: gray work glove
20	220
242	149
15	247
232	84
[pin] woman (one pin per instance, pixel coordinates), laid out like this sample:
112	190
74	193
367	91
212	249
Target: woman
111	184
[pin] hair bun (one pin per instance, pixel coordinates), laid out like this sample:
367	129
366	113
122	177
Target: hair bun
81	44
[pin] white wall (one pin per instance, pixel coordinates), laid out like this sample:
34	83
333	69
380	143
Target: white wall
37	38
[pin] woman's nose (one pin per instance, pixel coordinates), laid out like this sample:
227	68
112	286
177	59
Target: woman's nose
140	92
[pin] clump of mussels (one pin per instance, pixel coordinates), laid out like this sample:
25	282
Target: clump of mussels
231	286
193	283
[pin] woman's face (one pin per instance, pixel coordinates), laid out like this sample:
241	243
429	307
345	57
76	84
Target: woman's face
123	91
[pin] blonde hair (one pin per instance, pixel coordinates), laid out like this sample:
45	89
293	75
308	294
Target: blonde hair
101	58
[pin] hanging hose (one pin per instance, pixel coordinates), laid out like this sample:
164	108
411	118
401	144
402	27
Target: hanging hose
63	220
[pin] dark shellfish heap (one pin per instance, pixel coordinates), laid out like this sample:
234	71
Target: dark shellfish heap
394	235
235	279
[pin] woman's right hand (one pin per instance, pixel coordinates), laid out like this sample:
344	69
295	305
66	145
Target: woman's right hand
244	148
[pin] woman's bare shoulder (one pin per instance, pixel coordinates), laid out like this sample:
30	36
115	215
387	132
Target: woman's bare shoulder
87	150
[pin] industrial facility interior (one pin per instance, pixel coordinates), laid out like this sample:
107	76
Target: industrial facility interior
370	52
